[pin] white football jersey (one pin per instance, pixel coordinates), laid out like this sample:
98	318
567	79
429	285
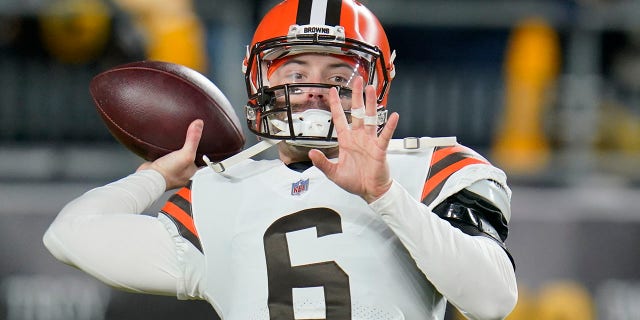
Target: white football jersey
273	243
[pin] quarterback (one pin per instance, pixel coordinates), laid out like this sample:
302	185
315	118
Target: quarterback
347	223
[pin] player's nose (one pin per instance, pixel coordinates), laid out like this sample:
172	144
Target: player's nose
317	93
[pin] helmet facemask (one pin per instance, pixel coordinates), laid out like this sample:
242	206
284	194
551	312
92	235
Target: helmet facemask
283	115
277	111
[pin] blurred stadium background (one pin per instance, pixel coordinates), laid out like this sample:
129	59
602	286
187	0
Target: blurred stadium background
548	90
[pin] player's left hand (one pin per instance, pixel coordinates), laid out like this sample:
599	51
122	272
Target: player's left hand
362	167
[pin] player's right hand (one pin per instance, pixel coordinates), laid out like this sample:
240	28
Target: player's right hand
178	166
362	167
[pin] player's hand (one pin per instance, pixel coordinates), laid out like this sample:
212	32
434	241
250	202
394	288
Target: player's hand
362	167
178	166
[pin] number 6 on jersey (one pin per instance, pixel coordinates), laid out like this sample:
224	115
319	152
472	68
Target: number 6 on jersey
283	277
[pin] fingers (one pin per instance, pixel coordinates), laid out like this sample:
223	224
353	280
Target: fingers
178	166
357	103
363	113
387	131
337	113
364	107
371	118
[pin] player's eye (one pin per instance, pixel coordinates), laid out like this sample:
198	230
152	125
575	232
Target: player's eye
296	77
338	80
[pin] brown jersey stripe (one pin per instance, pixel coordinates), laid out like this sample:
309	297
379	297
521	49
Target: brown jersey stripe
185	193
440	152
178	209
445	162
448	160
176	212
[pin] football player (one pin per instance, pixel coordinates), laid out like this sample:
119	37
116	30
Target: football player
348	223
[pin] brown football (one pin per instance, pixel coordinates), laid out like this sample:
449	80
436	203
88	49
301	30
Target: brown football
148	106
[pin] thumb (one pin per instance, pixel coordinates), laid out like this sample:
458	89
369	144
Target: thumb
320	161
194	134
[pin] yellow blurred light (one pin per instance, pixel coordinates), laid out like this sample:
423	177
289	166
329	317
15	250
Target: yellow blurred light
75	31
531	69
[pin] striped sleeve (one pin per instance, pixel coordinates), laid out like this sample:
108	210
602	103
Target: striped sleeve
445	162
178	209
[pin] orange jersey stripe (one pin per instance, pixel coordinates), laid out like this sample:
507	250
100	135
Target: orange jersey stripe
179	214
440	154
185	193
443	174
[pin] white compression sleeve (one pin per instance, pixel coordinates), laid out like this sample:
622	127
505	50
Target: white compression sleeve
103	234
472	272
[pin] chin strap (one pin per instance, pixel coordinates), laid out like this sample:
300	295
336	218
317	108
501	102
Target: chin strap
221	166
405	145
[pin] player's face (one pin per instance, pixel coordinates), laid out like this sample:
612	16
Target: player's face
315	68
298	91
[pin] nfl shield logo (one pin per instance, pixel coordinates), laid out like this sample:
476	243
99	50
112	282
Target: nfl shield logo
299	187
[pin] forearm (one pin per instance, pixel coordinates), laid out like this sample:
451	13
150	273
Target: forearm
131	194
473	272
102	233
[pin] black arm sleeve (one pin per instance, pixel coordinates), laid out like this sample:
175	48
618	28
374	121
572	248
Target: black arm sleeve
475	216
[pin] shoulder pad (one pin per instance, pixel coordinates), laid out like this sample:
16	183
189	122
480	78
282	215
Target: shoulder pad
494	193
445	162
